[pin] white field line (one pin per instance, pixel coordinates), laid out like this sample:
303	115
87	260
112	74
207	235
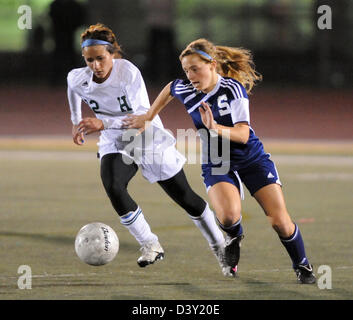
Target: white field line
329	176
47	155
93	274
301	160
313	160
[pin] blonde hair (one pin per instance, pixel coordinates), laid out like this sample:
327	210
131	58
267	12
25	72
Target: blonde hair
101	32
232	62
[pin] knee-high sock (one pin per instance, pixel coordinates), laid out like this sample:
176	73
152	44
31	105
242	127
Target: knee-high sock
135	222
295	247
208	227
235	230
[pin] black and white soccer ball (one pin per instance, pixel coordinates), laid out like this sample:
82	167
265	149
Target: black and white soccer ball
96	244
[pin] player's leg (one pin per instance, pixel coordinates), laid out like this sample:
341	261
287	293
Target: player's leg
272	201
171	177
178	188
226	201
115	175
263	182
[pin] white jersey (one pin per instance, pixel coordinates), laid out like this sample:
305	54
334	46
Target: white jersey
124	92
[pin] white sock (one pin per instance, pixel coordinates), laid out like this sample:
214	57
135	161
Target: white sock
135	222
209	228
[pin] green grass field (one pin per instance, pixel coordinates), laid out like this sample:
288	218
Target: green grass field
47	196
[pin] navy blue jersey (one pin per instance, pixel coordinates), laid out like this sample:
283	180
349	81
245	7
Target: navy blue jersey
229	104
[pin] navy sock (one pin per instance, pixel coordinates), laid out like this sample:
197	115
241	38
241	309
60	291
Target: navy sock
295	248
235	230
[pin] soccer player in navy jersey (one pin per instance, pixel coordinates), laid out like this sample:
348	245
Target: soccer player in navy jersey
215	95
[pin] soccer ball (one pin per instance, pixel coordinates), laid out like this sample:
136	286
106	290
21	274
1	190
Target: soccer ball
96	244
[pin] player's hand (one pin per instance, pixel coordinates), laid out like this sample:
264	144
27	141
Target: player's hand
77	136
207	116
140	122
90	125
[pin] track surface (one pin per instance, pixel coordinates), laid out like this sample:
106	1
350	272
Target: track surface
276	113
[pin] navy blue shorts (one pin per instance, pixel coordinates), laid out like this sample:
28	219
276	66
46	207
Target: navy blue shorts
259	174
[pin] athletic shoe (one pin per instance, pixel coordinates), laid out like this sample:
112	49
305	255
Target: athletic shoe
151	252
305	274
232	252
219	252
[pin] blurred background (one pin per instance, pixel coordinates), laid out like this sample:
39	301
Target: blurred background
306	91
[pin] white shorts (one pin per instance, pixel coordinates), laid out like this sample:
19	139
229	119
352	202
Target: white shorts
155	155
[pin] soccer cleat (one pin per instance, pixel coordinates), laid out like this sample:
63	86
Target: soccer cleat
305	274
232	253
151	252
219	252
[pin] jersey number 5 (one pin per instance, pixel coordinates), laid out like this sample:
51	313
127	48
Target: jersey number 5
223	105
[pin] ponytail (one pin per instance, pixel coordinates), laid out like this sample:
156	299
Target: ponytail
237	63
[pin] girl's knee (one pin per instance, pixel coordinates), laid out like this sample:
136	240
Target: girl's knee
115	190
228	217
283	227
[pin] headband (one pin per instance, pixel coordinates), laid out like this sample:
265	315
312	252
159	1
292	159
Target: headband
203	53
94	42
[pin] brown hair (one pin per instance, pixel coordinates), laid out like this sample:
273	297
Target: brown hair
101	32
232	62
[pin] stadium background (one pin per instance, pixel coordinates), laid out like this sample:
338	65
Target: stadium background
308	73
304	104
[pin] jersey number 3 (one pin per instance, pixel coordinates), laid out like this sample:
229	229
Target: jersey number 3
223	105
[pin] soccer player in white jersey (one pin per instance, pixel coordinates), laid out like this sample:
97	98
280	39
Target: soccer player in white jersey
215	96
113	87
